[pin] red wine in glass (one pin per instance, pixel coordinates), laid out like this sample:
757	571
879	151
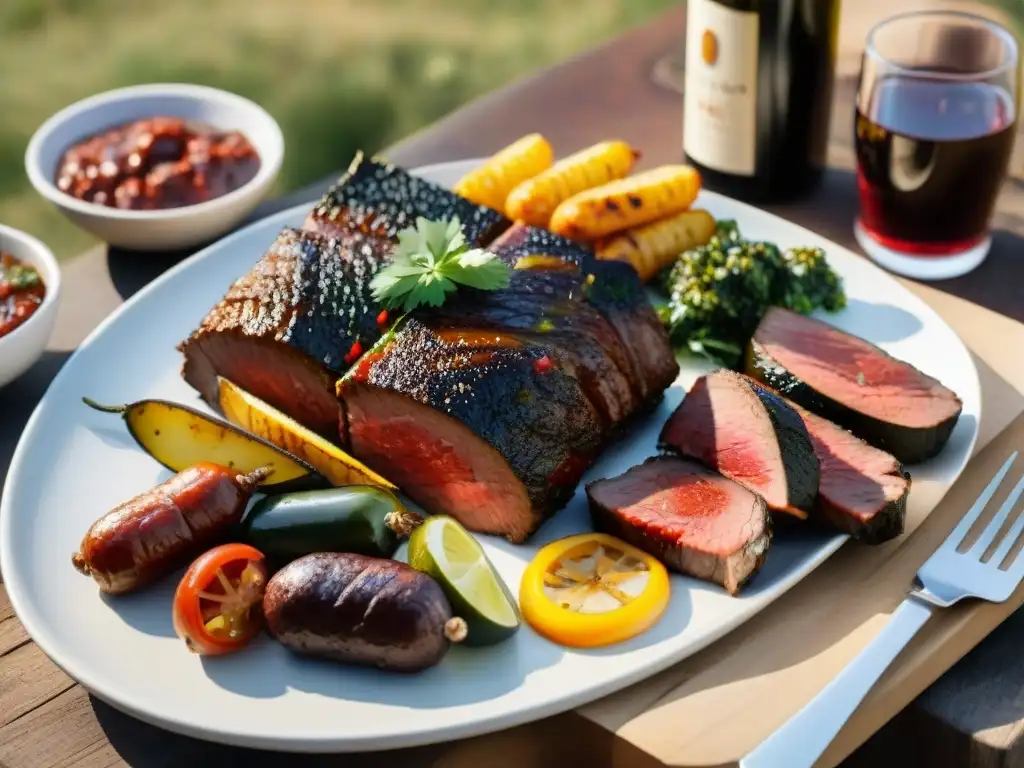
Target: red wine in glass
933	143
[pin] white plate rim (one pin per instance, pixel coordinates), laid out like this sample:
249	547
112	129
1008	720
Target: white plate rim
411	737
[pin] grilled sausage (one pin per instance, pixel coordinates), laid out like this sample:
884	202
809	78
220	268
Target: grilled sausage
361	610
160	530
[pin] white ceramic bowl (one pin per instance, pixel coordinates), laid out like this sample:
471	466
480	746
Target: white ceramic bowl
162	229
20	348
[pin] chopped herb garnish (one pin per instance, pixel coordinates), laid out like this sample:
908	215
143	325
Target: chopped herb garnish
430	262
19	277
719	292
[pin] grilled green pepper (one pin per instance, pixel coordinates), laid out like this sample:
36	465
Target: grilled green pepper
358	519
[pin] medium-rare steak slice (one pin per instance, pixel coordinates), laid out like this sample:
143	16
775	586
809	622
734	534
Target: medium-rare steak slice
749	434
863	490
378	198
286	327
885	401
475	425
691	518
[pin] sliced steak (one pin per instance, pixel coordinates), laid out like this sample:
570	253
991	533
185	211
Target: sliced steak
749	434
616	291
375	197
694	520
305	312
541	309
863	490
887	402
611	287
475	425
290	325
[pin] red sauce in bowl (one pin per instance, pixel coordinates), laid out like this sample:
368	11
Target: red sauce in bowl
21	292
156	163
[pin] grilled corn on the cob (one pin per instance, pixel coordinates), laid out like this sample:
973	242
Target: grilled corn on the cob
627	203
534	200
655	246
490	183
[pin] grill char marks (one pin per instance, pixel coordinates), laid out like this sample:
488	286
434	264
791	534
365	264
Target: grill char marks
378	198
693	519
284	329
502	441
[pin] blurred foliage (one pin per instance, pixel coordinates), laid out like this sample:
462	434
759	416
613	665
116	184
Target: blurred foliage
339	75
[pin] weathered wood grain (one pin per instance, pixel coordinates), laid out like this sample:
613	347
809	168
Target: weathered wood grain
971	718
28	679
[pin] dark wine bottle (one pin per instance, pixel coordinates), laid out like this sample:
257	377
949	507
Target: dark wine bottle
758	94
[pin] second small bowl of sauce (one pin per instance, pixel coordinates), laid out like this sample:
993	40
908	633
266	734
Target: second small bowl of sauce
157	167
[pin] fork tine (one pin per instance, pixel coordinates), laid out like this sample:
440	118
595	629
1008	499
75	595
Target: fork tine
1018	525
992	529
957	536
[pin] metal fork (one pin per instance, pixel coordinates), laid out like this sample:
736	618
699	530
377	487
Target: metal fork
946	578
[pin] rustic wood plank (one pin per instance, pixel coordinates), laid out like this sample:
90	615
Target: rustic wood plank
28	679
983	696
63	731
6	611
12	635
75	729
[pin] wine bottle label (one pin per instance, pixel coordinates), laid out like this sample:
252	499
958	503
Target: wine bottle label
720	96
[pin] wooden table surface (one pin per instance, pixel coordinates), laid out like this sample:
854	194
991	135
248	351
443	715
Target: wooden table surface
630	89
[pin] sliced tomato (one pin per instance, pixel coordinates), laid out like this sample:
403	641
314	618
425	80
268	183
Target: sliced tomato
593	589
218	603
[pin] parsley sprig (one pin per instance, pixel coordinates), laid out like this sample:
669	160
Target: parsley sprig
431	260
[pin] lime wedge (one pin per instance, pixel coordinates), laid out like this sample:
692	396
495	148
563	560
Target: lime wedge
447	552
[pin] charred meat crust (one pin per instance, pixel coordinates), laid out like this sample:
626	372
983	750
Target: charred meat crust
536	417
545	310
307	301
378	198
358	610
802	468
617	293
309	296
613	289
863	490
886	524
910	444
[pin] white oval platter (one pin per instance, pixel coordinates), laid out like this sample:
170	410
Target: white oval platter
73	464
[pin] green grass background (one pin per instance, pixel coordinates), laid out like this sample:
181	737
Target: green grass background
339	75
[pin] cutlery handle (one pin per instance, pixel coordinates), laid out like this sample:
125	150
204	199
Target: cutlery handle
806	735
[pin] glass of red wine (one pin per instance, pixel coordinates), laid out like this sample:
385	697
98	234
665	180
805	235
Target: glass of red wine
934	129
